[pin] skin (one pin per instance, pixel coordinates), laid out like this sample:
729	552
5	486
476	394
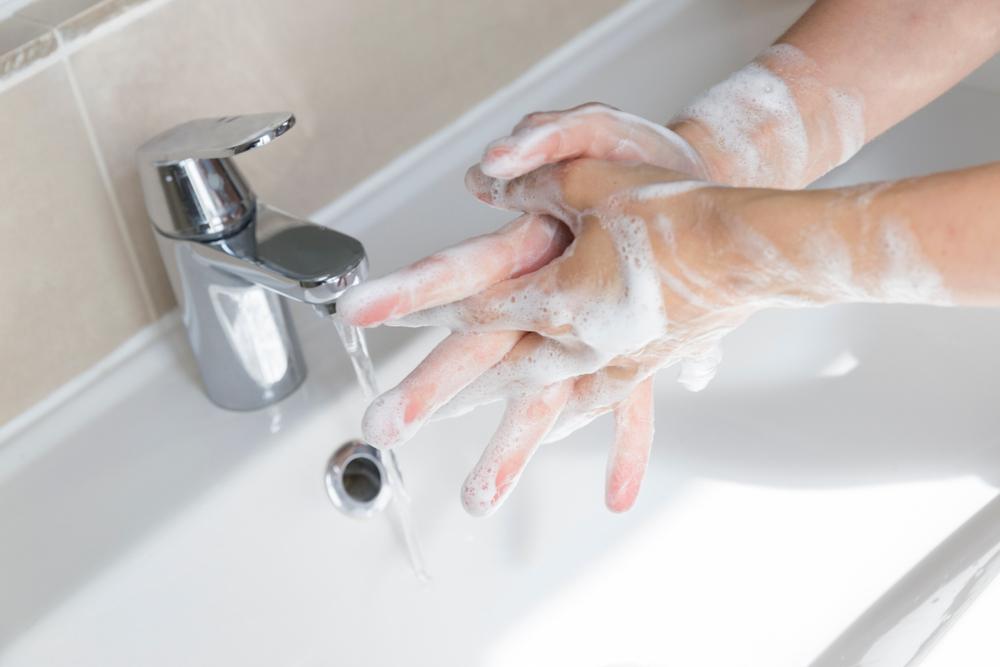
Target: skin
893	56
888	59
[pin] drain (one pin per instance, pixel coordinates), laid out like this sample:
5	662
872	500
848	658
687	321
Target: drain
356	480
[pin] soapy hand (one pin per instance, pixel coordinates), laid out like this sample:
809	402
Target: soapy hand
488	357
591	130
615	271
568	311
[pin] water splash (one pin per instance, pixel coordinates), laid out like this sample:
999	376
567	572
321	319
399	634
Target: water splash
353	340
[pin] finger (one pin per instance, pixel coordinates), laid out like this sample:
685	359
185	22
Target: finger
536	118
630	451
594	395
545	140
534	363
539	191
396	416
520	247
525	423
528	303
592	130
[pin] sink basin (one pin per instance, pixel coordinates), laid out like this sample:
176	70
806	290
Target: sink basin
141	525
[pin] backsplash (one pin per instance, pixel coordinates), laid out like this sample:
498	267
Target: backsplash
366	80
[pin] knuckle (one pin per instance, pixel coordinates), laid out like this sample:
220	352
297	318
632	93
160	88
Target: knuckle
535	118
593	107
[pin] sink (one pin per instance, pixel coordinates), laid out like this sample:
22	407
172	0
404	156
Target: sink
142	525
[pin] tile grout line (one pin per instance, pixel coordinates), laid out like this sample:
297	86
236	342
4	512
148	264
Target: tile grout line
102	169
130	15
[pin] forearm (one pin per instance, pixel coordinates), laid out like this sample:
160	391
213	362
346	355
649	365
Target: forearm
934	239
842	74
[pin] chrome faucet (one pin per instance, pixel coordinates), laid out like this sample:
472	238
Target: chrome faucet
234	262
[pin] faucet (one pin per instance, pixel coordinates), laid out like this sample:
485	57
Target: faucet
235	262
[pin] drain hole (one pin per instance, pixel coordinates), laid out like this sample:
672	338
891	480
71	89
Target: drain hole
362	480
356	481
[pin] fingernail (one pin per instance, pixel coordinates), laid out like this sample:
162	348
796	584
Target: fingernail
622	490
503	162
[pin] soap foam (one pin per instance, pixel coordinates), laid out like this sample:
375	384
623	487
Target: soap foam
664	190
740	109
908	278
849	121
383	425
756	108
583	334
698	371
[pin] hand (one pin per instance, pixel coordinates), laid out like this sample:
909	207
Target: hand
616	271
591	130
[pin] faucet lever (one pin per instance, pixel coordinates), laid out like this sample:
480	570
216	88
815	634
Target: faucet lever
193	190
214	138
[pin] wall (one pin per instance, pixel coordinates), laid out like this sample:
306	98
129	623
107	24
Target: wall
84	82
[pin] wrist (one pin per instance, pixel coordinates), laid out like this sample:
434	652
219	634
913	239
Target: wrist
775	123
806	245
717	163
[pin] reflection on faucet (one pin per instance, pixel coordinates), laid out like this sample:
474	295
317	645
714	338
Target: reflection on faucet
251	325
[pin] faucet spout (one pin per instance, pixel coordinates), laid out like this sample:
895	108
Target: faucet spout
297	259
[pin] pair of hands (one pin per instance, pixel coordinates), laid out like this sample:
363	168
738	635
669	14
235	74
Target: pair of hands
625	260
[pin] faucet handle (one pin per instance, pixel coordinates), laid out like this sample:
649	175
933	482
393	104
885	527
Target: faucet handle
193	190
215	138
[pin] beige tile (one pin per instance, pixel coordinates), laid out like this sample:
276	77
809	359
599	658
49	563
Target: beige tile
68	296
366	79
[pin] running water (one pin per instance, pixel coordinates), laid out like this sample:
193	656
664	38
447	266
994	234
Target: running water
354	343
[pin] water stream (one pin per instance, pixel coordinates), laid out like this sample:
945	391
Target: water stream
353	340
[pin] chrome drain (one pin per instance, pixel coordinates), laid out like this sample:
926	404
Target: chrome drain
356	480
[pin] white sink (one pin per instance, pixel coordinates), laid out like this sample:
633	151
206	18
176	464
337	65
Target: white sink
140	525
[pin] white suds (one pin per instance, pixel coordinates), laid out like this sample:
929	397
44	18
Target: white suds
739	110
697	372
908	277
754	119
827	252
584	333
849	119
383	424
664	190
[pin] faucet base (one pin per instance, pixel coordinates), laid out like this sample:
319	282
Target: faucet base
242	335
